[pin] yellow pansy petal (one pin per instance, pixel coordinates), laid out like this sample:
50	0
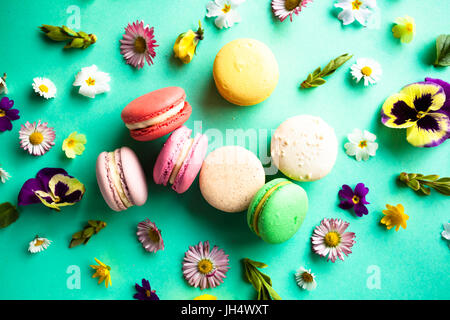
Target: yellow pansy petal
398	111
432	95
430	131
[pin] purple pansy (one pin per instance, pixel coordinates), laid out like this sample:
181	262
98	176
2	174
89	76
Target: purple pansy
7	114
145	292
53	187
354	199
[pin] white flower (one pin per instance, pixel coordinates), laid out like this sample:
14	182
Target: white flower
368	69
92	81
3	87
45	87
4	175
361	10
446	233
225	11
37	139
38	244
362	144
305	279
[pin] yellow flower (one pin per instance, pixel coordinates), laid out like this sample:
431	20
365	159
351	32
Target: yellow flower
186	44
74	145
206	297
103	272
405	29
394	216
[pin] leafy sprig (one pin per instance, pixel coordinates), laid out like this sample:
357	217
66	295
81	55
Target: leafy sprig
442	51
419	183
75	39
83	236
315	79
260	281
8	214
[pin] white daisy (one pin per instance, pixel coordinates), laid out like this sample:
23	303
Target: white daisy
361	144
38	244
446	233
368	69
92	81
3	87
225	11
361	10
4	175
37	139
287	8
44	87
305	279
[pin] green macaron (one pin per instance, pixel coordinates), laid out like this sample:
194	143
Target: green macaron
277	211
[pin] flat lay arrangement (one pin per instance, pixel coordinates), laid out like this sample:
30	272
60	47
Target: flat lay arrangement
233	149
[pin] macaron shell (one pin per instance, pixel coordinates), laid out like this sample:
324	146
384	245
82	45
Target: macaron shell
134	176
304	148
230	177
192	164
105	184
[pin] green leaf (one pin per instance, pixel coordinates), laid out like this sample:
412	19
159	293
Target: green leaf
431	177
443	180
75	242
443	50
77	235
8	214
444	189
88	232
414	184
425	190
256	264
260	281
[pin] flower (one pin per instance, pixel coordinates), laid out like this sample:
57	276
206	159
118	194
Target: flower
367	69
92	81
355	200
204	267
52	187
424	109
446	233
4	175
3	87
404	29
37	139
361	10
287	8
7	114
103	272
361	144
145	292
186	44
44	87
74	145
150	236
206	297
330	239
305	279
39	244
138	44
394	216
225	11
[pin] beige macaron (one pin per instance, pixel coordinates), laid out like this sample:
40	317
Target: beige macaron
304	148
230	177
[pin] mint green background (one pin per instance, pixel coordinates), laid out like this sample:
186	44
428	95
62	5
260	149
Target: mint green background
413	263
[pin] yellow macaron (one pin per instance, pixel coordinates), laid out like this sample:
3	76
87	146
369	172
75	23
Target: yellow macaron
245	72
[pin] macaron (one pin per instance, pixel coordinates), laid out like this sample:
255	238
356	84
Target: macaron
180	159
156	113
121	179
230	177
277	211
245	72
304	148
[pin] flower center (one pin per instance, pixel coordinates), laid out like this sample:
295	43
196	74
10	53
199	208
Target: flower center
140	45
148	293
2	113
56	199
153	235
291	4
71	143
36	138
332	239
367	71
307	277
205	266
103	272
90	81
421	114
409	27
43	88
362	144
355	199
356	4
226	8
38	243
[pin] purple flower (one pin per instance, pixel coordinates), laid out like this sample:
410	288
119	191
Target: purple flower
145	292
53	187
7	114
354	199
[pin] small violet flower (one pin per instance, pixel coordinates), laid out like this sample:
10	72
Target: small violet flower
354	199
145	292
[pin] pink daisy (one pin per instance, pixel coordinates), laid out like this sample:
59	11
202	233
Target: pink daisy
287	8
150	236
204	267
37	139
138	44
329	238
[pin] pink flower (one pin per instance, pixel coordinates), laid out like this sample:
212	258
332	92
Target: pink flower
138	44
330	239
150	236
37	139
204	267
287	8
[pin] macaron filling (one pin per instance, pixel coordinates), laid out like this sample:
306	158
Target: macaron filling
261	203
116	175
158	119
182	156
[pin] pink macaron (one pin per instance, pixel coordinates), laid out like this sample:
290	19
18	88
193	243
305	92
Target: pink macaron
121	179
180	159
